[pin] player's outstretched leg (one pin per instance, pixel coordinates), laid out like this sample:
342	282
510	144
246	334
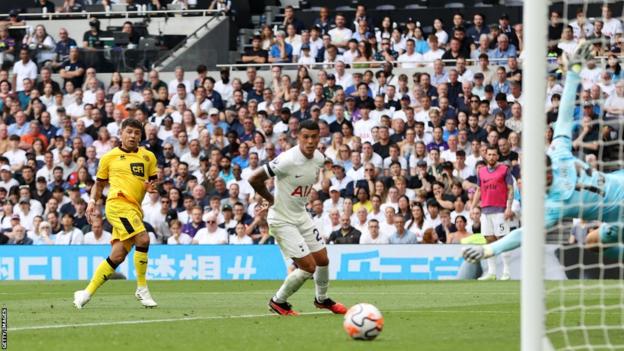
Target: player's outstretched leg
140	265
294	281
104	271
321	281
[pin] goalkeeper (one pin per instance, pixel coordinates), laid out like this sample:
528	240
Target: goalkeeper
574	189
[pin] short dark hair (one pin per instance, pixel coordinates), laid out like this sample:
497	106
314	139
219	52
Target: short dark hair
131	122
309	125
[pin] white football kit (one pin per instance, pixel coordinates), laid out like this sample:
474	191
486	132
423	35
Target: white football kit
289	222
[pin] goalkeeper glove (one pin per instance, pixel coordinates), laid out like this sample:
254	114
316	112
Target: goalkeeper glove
474	254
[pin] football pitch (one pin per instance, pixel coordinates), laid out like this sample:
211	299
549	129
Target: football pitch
220	315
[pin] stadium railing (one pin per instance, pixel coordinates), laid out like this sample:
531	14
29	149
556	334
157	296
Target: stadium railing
116	14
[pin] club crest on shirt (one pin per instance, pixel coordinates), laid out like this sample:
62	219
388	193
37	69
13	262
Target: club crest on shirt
137	169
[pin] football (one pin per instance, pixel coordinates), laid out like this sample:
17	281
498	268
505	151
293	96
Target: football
363	322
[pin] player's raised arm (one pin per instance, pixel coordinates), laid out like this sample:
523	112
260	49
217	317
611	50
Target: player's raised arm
565	117
257	181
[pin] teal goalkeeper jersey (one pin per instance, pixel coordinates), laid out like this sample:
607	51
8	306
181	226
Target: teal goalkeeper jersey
578	191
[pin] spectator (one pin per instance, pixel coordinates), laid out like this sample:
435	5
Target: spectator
18	236
211	234
69	235
97	235
240	237
400	235
92	38
347	234
323	22
73	69
504	48
177	237
255	53
289	18
25	68
340	35
281	51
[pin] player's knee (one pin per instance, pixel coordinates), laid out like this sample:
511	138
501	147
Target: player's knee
117	257
142	240
307	265
322	261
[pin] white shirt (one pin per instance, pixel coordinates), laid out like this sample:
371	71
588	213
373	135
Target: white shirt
235	240
192	161
344	81
363	130
612	27
23	71
225	90
329	205
410	61
431	56
74	237
340	36
587	27
90	239
295	175
348	56
375	114
183	239
569	47
366	239
590	77
173	86
133	95
76	109
8	185
613	101
203	237
15	157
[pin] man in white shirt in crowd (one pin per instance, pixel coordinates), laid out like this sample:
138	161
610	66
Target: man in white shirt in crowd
373	236
22	69
340	35
212	234
334	201
179	79
69	235
410	58
364	126
359	221
97	235
434	52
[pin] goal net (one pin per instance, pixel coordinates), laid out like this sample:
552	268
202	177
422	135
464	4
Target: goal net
584	307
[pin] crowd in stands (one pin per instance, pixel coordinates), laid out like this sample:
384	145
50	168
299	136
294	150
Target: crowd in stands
403	149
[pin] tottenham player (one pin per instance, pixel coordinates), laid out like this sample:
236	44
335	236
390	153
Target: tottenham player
296	171
575	190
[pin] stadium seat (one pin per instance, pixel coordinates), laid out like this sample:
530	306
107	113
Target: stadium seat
386	7
345	8
454	5
95	8
118	7
414	7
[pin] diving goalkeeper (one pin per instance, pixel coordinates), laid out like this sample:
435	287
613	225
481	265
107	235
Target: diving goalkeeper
574	189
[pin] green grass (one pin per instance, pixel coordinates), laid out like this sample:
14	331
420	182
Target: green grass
448	315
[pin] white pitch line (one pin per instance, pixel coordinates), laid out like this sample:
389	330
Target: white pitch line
244	316
147	321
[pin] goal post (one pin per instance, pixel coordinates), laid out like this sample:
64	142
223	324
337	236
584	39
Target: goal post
533	311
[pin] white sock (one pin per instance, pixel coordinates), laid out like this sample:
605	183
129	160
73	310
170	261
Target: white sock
293	282
321	280
491	265
506	256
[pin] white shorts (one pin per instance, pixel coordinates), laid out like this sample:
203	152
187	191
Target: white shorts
297	241
494	224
